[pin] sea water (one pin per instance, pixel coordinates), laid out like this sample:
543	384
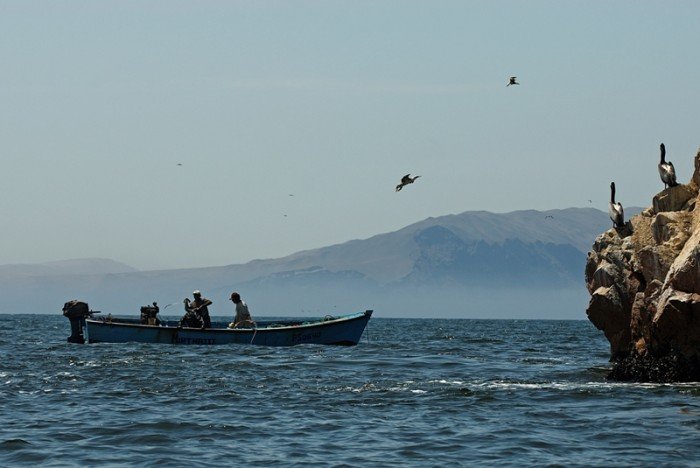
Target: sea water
412	393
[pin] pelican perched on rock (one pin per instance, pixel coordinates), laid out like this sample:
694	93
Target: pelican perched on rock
617	215
666	170
512	81
405	180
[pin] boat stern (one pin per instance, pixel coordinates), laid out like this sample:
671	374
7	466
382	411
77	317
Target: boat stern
76	311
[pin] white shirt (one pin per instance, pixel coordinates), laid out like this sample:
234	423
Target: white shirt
242	313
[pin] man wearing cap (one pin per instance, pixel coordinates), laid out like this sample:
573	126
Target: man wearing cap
242	318
200	308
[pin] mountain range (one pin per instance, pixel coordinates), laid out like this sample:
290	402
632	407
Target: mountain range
477	264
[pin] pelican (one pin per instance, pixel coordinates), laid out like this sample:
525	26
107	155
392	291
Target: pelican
405	180
512	81
615	211
666	170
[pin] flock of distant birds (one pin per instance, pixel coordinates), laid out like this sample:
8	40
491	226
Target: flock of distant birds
668	177
407	179
616	212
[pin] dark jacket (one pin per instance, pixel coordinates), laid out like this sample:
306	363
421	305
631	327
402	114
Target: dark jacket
200	308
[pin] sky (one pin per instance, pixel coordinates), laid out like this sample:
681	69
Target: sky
175	134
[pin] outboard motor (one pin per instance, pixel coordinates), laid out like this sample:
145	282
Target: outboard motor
76	311
149	314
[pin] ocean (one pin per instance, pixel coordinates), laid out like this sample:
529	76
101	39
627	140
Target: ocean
412	393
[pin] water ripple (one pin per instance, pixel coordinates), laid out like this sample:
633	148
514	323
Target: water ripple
421	392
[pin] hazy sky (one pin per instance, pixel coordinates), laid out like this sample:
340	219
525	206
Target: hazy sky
332	102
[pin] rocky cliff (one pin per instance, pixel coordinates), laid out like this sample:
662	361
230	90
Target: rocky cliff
644	281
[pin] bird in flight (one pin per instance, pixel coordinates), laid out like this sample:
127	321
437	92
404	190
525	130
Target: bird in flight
405	180
512	81
549	216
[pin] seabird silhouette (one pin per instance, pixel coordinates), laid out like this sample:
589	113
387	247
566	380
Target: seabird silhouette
512	81
405	180
549	216
617	214
666	170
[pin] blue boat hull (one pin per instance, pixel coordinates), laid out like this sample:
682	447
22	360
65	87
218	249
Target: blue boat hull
345	330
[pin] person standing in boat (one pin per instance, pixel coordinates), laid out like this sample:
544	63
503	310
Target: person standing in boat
200	308
242	318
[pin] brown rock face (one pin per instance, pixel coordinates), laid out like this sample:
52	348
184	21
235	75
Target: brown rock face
644	281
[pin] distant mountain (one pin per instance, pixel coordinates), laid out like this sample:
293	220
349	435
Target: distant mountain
81	266
391	257
446	259
475	264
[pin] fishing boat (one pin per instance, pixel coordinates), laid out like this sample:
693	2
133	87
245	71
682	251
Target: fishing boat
329	330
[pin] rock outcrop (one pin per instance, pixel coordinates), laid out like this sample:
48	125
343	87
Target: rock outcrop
644	281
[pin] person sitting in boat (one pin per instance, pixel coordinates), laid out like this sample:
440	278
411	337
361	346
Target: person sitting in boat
242	318
199	309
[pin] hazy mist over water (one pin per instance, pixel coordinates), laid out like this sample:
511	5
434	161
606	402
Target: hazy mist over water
412	393
435	303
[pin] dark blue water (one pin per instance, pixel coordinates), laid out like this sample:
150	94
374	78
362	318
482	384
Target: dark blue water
418	392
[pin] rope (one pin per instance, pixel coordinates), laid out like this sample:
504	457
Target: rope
255	327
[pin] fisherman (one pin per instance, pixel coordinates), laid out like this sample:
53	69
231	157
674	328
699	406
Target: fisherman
190	319
242	318
199	309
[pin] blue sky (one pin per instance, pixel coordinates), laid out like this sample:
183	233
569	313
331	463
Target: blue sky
331	102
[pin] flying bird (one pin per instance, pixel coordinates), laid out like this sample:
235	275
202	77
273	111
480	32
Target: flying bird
617	215
512	81
549	216
666	170
405	180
